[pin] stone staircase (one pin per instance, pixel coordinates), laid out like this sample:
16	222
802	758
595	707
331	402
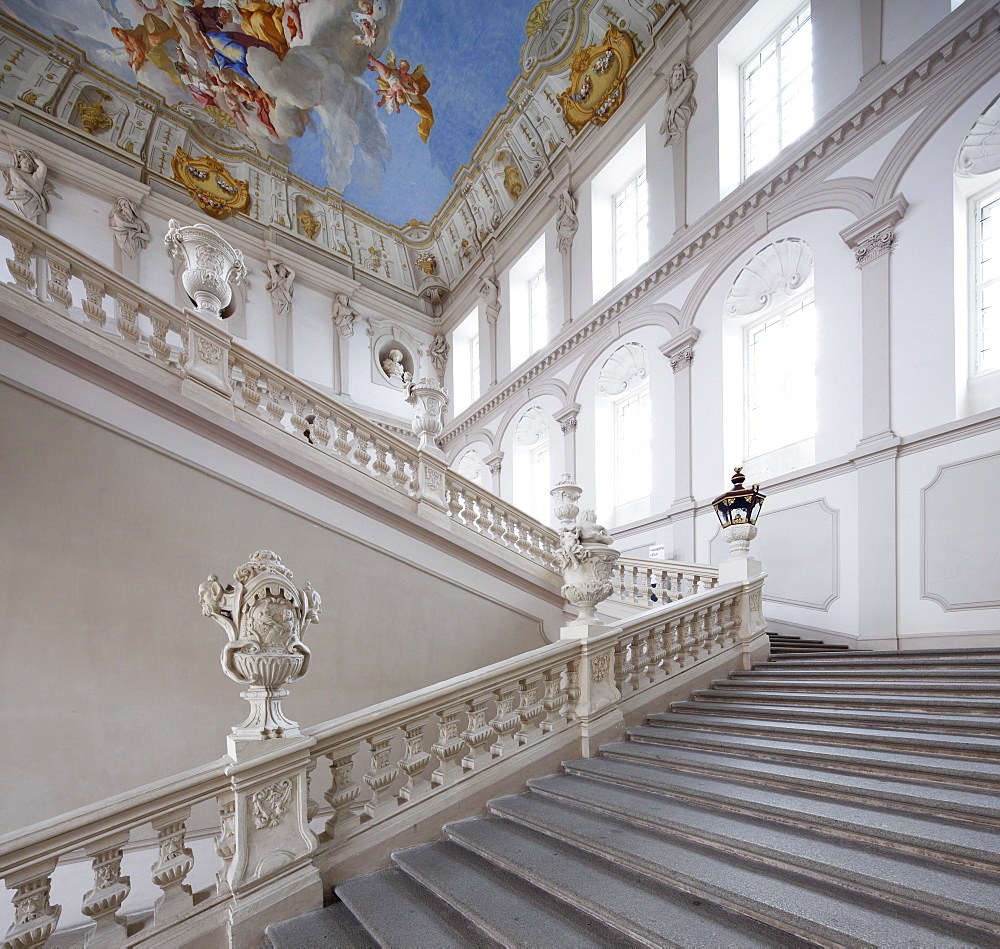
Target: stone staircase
823	798
781	644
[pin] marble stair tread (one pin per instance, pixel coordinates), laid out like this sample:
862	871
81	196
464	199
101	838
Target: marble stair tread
947	838
648	911
987	725
945	687
818	910
397	911
849	660
773	670
500	903
971	653
943	742
961	802
985	705
333	927
926	765
964	893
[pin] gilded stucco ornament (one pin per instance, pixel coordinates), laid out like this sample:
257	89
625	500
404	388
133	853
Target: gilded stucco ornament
207	181
597	80
264	615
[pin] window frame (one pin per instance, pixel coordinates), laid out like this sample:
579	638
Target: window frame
639	393
642	248
773	37
976	203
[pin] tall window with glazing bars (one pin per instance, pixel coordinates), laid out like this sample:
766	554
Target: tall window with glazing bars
776	105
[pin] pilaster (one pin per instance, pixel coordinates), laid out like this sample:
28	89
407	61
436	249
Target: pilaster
566	418
680	351
495	463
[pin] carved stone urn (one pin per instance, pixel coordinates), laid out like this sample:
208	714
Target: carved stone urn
212	266
429	401
565	496
587	560
264	615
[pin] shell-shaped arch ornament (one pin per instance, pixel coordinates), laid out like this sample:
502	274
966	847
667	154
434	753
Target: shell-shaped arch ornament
980	151
264	615
775	273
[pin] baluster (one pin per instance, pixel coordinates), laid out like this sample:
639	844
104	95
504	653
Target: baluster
510	532
57	285
733	620
657	649
697	629
126	320
573	690
717	628
300	409
381	465
530	711
482	516
273	406
479	735
102	903
673	646
341	443
414	763
158	340
225	843
650	590
173	864
342	793
455	505
620	669
22	267
93	305
637	660
678	585
360	456
414	485
35	918
506	721
381	775
618	579
449	746
320	427
251	394
553	699
399	476
312	806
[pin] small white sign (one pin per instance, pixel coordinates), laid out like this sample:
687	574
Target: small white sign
657	552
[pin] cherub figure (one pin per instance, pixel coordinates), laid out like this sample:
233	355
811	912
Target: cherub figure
392	366
367	21
399	87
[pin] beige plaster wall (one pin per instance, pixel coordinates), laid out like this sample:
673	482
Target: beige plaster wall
111	676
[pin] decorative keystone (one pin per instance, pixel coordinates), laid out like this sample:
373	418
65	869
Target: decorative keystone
264	615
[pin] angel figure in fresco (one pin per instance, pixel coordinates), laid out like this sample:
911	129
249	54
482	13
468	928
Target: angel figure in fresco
146	42
264	21
399	87
367	21
226	49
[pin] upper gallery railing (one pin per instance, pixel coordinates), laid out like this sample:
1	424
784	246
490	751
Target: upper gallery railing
118	317
379	770
655	582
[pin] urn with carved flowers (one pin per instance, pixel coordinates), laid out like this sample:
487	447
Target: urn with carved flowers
565	497
429	400
212	266
264	615
587	560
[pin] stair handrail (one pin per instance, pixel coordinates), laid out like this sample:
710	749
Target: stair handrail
262	395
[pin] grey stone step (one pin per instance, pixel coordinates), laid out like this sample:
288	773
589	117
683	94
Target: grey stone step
961	803
986	725
893	660
944	687
398	912
872	698
824	912
333	927
911	739
500	903
947	839
979	653
919	673
873	760
963	894
650	911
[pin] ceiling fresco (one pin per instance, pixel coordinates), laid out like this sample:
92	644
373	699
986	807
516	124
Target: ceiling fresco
381	100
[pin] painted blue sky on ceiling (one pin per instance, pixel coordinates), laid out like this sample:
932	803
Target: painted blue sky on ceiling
382	100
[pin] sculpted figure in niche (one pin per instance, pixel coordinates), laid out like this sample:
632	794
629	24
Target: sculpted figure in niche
567	222
279	284
26	185
392	366
681	103
344	315
440	350
131	231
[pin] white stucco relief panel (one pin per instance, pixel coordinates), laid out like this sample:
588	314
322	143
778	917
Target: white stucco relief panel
959	544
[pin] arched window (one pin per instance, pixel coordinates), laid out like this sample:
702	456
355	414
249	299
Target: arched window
532	471
624	419
771	307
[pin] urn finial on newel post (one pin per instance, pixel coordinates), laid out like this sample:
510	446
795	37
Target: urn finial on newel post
264	615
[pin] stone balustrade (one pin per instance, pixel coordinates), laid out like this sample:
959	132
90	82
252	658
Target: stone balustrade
384	768
103	310
651	583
